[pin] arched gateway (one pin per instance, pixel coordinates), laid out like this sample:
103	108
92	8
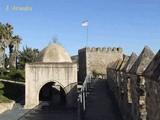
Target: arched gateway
53	65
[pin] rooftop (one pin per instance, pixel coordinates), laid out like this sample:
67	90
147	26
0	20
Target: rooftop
53	53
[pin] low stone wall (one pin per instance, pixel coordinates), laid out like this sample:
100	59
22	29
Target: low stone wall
6	106
137	86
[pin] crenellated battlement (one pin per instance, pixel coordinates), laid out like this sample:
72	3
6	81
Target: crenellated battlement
97	58
99	49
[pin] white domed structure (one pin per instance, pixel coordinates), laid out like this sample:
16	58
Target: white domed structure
53	53
53	65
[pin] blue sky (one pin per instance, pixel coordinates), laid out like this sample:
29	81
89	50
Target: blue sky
130	24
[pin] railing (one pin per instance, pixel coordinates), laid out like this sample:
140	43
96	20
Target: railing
10	81
82	97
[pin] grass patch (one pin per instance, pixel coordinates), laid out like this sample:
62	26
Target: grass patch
1	85
4	99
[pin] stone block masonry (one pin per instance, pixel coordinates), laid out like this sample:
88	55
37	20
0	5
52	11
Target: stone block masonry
97	59
53	65
136	86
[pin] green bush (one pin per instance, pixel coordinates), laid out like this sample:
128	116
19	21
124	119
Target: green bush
1	92
3	71
1	86
4	99
13	74
17	75
95	73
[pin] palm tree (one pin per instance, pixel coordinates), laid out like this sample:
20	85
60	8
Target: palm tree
8	40
6	32
2	47
13	50
9	32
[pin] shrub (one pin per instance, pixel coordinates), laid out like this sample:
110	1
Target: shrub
17	75
1	86
13	74
4	99
3	71
1	92
95	73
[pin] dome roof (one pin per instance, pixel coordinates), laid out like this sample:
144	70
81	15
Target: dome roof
53	53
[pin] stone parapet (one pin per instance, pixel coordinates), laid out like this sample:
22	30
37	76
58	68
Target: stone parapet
6	106
99	49
136	86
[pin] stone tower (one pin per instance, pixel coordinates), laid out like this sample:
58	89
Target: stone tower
97	59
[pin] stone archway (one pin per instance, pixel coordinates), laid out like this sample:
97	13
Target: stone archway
52	92
49	89
47	70
37	76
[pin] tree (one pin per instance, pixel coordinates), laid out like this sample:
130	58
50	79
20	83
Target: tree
5	35
13	50
28	55
8	40
2	46
6	61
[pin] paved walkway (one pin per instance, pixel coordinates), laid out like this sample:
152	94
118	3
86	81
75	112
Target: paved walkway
44	111
16	112
13	114
101	104
47	111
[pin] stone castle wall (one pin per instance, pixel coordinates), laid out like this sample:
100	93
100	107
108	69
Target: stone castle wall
97	59
137	89
134	80
38	74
